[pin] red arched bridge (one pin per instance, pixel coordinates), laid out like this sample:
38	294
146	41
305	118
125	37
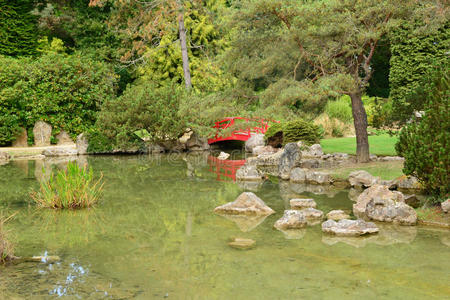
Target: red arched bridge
254	126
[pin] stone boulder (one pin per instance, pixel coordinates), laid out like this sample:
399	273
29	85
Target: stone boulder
246	204
223	156
380	204
197	143
290	158
248	173
186	136
349	227
269	159
337	215
258	150
298	175
53	152
317	177
22	139
154	148
254	141
406	183
362	179
241	243
291	219
302	203
313	151
445	206
312	213
42	132
82	144
64	139
310	163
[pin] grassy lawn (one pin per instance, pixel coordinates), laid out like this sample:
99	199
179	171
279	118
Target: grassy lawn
379	145
385	170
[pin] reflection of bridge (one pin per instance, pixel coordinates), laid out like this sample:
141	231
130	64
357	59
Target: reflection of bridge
224	168
261	126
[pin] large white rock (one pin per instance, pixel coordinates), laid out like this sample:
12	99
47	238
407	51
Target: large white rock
246	204
42	133
254	141
349	227
82	144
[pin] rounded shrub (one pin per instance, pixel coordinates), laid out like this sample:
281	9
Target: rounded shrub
293	131
424	143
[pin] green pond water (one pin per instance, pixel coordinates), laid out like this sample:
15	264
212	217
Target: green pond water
154	235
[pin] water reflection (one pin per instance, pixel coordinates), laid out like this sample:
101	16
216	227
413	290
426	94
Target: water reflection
225	169
245	223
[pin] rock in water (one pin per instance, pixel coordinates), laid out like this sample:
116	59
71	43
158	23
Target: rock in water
246	204
317	177
254	141
337	215
290	158
380	204
362	179
223	156
291	219
240	243
248	173
42	133
302	203
312	213
349	227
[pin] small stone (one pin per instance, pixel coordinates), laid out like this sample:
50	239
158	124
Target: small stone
362	179
302	203
349	227
445	206
246	204
407	183
391	158
223	156
241	243
312	213
291	219
337	215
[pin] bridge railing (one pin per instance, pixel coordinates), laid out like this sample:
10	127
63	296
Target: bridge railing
238	134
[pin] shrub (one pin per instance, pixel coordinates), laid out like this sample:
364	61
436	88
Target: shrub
425	143
6	248
72	188
143	106
293	131
65	91
340	109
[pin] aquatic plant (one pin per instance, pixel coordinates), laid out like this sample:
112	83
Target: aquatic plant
72	188
6	248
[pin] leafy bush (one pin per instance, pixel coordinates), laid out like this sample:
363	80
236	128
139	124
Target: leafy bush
294	131
425	143
340	109
98	142
144	106
72	188
65	91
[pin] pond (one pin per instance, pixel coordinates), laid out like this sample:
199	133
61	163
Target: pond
154	235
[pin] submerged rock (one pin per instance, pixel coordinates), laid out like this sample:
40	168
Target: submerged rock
241	243
337	215
293	234
302	203
254	141
349	227
248	173
291	219
246	204
362	179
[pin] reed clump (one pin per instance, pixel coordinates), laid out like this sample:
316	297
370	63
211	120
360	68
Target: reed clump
72	188
6	247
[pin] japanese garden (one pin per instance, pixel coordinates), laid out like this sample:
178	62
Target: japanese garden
220	149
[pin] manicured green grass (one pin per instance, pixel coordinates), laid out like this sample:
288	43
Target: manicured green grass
384	170
379	145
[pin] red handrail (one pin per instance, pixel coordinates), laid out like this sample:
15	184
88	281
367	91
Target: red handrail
240	134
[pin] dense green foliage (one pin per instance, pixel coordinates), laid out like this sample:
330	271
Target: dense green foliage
65	91
294	131
142	107
425	143
18	34
72	188
414	52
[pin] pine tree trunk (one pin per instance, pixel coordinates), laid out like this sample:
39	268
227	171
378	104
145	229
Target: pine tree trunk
184	52
360	121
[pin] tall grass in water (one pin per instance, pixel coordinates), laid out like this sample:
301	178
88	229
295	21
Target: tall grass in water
6	248
72	188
